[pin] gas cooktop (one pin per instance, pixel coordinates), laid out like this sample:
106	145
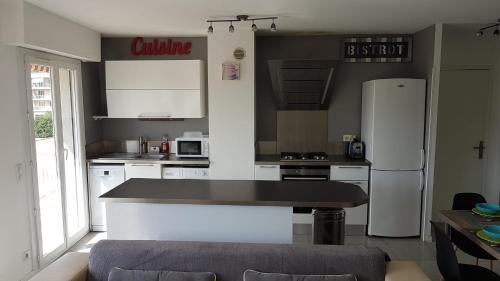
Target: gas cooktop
304	156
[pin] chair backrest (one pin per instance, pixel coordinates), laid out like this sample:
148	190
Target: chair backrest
445	255
467	201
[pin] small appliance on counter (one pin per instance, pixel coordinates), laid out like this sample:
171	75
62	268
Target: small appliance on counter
356	149
192	145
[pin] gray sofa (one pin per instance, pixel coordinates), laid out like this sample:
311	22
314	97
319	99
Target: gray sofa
229	260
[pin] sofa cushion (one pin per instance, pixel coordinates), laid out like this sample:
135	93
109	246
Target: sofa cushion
119	274
252	275
229	260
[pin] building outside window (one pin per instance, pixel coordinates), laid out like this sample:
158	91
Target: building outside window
41	92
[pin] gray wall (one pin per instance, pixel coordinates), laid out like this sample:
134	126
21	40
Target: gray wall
121	129
345	104
344	114
461	49
91	101
423	61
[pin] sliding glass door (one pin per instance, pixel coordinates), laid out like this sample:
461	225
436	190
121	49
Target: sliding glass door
58	169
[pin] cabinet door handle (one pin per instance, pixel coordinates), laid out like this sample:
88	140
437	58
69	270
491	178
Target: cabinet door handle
349	167
268	167
154	115
142	165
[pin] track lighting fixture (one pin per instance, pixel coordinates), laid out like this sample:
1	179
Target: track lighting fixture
254	26
242	18
480	32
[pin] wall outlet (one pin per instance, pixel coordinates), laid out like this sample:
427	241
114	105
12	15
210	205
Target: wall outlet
27	254
19	172
348	137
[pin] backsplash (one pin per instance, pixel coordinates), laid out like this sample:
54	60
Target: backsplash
270	148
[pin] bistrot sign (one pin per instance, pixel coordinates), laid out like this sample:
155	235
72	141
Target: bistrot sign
377	49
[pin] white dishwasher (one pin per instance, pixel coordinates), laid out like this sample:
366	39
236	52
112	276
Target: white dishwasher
101	180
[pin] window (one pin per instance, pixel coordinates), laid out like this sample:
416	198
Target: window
58	156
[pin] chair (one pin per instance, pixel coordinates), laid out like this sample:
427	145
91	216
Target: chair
467	201
448	264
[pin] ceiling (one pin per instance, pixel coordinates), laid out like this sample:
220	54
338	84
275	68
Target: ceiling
187	17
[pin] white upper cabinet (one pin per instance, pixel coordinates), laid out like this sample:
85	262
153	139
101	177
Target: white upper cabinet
155	89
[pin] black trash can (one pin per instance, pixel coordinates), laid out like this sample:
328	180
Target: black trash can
329	226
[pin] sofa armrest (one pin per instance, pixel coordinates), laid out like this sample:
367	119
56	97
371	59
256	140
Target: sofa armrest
404	271
70	267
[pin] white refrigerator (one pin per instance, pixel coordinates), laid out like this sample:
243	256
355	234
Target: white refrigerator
393	120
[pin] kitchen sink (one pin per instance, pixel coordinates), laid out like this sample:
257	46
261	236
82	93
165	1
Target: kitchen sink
151	156
121	156
132	156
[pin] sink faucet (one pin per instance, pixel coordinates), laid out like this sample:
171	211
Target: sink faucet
142	145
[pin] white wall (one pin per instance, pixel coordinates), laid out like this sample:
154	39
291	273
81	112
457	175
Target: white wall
26	25
11	21
231	105
15	234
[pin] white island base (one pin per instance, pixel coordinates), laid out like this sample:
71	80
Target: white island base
213	223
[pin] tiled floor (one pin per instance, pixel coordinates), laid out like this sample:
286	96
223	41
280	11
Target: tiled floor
398	249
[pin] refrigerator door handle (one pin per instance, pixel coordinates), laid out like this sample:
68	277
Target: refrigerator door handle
422	181
422	159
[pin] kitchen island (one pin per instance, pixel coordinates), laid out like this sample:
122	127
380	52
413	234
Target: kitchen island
218	210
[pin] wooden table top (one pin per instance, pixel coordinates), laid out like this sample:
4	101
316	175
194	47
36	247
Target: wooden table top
468	224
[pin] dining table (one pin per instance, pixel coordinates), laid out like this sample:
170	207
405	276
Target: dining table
468	223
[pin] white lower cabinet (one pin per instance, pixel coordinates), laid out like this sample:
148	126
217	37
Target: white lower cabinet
143	171
185	173
195	173
357	215
172	173
267	172
359	176
349	173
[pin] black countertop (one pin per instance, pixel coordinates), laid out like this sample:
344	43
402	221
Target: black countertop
330	194
332	160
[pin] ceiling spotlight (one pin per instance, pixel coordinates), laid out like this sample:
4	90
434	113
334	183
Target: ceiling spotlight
273	26
241	18
254	26
496	33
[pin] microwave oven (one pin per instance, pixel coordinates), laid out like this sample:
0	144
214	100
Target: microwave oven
193	147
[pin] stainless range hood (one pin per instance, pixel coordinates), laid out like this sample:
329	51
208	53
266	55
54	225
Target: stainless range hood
302	84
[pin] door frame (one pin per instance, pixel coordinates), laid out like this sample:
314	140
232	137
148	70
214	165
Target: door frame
26	58
432	137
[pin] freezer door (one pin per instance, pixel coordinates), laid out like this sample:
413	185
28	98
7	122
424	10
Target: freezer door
398	125
395	203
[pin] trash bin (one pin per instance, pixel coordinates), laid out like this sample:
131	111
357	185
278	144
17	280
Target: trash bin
329	226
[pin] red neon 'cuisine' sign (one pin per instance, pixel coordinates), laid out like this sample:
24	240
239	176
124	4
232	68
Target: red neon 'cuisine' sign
156	47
